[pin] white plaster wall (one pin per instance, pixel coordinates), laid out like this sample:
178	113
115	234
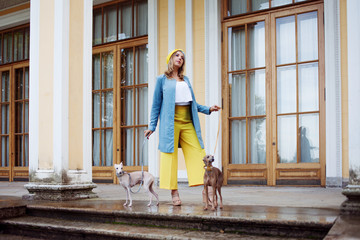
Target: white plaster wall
333	94
353	19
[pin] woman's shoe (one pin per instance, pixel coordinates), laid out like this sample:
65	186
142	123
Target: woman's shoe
175	198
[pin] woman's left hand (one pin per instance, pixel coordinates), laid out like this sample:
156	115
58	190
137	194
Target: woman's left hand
214	108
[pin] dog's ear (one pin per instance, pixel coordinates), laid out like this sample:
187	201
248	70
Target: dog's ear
212	159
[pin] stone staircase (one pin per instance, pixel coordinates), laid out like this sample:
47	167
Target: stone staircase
107	219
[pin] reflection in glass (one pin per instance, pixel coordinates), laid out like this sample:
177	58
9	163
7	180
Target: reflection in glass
237	7
7	47
125	22
238	95
19	159
1	49
96	110
259	4
96	72
26	130
307	36
286	89
275	3
309	137
256	44
258	141
97	22
142	105
308	87
26	83
237	53
127	98
107	109
19	84
141	68
127	58
141	17
285	40
110	24
19	117
27	40
5	151
108	137
96	148
107	69
19	45
5	86
26	150
5	119
287	152
257	93
238	141
128	137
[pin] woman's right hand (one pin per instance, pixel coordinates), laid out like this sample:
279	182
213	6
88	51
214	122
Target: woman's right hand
147	133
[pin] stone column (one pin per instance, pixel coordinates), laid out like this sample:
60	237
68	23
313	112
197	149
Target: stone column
60	160
352	191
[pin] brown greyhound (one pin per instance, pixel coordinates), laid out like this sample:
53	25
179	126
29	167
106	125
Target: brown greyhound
212	177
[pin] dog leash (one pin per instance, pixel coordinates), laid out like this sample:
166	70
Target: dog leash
217	136
142	168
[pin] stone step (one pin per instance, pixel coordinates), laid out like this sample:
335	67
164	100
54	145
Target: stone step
30	228
249	220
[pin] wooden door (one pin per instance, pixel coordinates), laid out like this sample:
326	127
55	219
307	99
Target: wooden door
273	85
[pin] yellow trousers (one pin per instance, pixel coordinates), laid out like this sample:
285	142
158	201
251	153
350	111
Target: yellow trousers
184	132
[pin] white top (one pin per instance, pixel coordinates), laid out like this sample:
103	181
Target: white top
182	94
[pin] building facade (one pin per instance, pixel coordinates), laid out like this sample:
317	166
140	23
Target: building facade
77	79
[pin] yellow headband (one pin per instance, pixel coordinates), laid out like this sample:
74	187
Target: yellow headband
172	52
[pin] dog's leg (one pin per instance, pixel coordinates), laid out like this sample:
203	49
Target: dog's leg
221	204
126	191
130	199
213	198
206	197
154	193
216	198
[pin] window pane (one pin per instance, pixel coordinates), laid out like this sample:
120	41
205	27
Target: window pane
96	110
257	93
127	66
96	71
257	44
5	115
97	27
127	97
19	45
142	106
107	69
287	152
238	95
141	18
143	147
26	83
107	109
308	87
128	143
285	40
7	47
1	60
19	151
27	40
19	117
108	137
5	86
4	151
110	24
237	7
19	84
286	89
96	148
141	67
125	21
259	4
26	127
237	53
275	3
307	36
26	150
258	140
238	141
309	140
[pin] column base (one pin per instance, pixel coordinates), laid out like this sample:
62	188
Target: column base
59	192
352	205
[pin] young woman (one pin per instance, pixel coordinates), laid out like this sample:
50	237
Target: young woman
174	102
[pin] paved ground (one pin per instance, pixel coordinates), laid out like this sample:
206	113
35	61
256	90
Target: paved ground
312	197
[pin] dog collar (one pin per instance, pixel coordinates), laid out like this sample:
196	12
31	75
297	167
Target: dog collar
208	168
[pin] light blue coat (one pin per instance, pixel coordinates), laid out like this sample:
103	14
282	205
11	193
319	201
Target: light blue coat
164	106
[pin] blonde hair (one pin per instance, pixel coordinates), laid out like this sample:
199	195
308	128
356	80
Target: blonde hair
170	69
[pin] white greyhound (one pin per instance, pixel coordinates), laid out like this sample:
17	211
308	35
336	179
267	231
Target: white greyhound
128	180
